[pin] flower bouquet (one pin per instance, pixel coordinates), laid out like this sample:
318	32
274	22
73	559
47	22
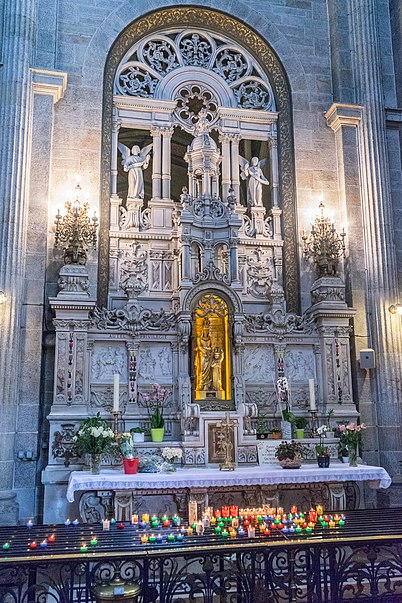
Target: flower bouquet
128	451
351	438
171	455
290	454
94	438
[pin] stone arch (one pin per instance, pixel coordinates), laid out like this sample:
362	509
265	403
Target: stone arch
218	22
228	295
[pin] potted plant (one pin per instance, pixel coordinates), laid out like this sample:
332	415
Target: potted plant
330	432
138	434
350	438
276	433
343	453
323	452
300	424
128	451
93	438
262	428
157	425
290	454
155	401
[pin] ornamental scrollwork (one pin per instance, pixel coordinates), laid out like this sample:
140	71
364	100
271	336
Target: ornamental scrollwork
63	443
148	62
211	272
134	271
133	318
279	323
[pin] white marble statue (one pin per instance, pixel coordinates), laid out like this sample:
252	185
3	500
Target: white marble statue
256	179
134	162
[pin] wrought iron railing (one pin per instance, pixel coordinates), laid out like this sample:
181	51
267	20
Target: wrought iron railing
360	562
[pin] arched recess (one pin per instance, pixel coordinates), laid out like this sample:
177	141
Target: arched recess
217	22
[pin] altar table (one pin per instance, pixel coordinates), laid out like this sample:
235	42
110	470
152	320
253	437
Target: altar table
195	483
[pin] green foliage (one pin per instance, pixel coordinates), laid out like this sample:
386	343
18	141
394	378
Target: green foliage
287	415
137	430
290	450
300	422
322	450
157	420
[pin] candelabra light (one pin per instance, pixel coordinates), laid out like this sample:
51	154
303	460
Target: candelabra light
395	309
324	245
76	231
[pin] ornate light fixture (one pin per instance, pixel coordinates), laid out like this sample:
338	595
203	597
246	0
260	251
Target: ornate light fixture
76	231
395	309
324	245
3	297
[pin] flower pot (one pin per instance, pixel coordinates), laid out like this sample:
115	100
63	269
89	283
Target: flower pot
157	434
329	434
130	466
276	435
323	461
138	437
299	434
345	459
291	463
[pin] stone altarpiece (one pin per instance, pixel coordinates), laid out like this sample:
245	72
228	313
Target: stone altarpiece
196	296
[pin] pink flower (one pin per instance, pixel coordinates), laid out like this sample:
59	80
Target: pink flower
351	426
342	427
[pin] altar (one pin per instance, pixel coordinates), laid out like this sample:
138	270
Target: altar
189	491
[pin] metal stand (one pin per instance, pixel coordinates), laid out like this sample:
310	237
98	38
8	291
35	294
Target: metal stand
116	416
313	431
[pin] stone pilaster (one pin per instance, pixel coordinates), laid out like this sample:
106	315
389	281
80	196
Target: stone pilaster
19	30
378	228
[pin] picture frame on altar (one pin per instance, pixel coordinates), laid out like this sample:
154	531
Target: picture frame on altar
215	455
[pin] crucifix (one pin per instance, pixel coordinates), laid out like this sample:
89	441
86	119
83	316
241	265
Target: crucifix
226	428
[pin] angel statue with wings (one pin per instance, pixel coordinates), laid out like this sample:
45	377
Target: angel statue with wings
134	162
253	171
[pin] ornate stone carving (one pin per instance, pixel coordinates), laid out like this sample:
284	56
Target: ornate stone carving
146	366
247	454
211	272
194	456
134	271
259	274
63	443
94	508
262	398
279	323
73	282
108	360
133	318
259	364
103	398
189	100
299	365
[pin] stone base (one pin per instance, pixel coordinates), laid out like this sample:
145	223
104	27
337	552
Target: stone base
9	509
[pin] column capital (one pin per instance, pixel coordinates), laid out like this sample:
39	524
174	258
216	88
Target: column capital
342	114
167	131
53	83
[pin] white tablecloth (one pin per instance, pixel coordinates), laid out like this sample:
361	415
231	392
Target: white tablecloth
115	479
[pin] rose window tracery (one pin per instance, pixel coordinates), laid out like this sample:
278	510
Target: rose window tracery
145	66
190	100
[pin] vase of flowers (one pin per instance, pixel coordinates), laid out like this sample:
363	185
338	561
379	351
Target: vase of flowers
171	456
290	454
323	452
93	438
350	438
128	451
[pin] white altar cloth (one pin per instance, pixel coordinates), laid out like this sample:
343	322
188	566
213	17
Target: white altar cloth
115	479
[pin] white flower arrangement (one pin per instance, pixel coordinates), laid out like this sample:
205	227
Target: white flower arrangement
322	429
172	454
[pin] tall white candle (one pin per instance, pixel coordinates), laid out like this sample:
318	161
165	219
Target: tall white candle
313	405
116	391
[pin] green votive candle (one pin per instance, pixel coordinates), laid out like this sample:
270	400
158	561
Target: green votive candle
6	546
170	538
152	539
218	530
93	541
225	533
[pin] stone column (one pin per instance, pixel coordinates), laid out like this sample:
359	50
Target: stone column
116	123
166	162
235	172
273	143
19	32
156	163
378	227
225	142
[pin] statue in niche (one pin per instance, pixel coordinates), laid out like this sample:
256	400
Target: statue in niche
165	361
146	366
256	179
134	162
216	369
203	358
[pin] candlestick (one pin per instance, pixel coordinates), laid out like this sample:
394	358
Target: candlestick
311	386
116	392
105	525
313	431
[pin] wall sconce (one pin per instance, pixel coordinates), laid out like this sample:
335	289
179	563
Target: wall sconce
3	297
395	309
324	245
76	231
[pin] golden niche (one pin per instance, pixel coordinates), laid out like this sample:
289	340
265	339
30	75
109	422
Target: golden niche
211	349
